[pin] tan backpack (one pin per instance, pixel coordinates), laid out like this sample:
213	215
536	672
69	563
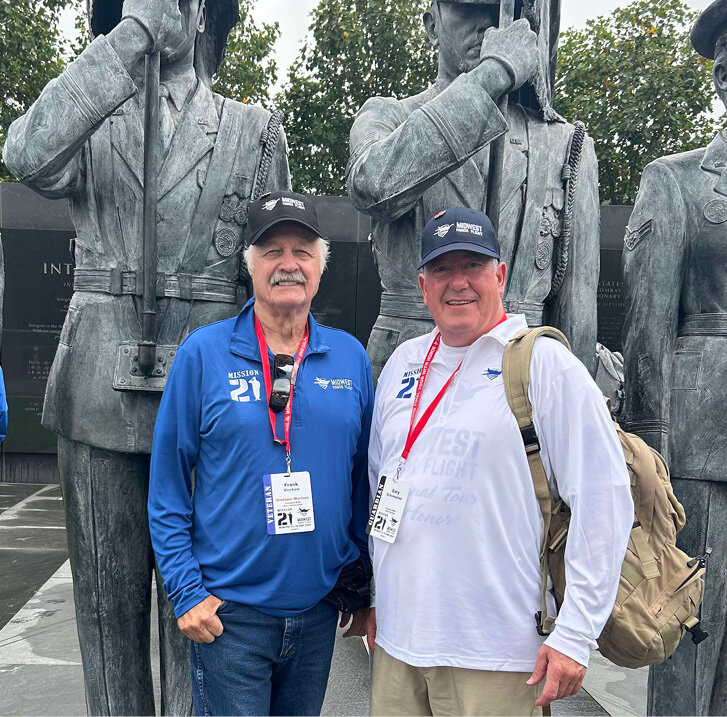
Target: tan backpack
661	588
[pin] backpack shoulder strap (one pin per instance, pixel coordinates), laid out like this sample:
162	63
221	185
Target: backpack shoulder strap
516	377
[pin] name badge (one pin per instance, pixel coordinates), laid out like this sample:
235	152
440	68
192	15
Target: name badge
388	509
288	503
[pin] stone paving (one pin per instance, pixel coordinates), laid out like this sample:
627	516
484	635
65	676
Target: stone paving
40	664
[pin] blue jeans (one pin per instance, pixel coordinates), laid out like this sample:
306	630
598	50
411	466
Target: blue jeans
265	665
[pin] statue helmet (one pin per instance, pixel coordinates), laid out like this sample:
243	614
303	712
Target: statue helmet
544	19
222	16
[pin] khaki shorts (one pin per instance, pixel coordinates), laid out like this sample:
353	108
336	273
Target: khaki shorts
400	689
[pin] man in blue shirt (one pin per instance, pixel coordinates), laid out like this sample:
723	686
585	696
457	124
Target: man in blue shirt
258	498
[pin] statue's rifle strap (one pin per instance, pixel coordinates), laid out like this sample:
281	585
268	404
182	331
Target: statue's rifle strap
269	141
570	184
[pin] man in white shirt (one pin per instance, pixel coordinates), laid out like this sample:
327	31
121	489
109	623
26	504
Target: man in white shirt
458	586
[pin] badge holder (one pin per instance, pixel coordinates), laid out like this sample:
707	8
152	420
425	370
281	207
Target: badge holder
388	508
288	502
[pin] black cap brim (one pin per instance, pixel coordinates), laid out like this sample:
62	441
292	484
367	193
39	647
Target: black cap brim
458	246
281	220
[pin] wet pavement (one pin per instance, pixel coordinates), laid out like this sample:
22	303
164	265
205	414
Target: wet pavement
40	662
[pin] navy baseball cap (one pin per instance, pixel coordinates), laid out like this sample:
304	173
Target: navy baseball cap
278	207
459	228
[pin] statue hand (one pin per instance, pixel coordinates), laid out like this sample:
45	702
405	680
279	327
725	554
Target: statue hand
161	19
516	49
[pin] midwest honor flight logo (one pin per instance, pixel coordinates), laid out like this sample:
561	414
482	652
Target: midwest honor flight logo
286	202
492	373
336	384
442	231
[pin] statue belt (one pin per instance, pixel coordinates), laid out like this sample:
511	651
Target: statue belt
532	310
188	287
404	306
703	325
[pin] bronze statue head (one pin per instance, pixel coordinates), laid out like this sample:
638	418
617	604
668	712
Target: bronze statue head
456	27
221	17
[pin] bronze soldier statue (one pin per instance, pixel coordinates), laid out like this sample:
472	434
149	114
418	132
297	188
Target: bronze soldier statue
84	139
675	344
415	157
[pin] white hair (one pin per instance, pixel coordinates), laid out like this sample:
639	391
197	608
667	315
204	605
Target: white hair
324	249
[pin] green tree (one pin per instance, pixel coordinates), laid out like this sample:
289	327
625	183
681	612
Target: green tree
356	49
248	71
32	54
639	86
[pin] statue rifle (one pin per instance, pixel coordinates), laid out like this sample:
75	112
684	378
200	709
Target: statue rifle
497	148
147	345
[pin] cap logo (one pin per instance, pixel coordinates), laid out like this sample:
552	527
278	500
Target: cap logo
269	206
289	202
442	231
467	228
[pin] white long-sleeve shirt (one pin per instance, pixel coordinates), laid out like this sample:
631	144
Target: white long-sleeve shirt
461	584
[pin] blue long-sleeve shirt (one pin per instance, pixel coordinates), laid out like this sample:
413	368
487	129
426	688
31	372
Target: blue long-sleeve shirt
213	421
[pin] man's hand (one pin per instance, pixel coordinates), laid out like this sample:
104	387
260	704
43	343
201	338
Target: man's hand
371	629
358	625
516	49
564	676
161	19
201	623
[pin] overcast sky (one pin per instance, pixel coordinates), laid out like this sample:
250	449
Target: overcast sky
293	18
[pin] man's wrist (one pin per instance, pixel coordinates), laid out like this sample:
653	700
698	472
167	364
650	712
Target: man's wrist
571	644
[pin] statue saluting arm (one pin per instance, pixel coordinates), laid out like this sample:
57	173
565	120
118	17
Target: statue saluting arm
386	173
44	148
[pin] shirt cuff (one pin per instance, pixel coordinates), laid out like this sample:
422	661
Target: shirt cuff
571	644
188	599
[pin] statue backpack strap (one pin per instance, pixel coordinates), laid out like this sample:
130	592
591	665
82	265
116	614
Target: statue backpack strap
516	377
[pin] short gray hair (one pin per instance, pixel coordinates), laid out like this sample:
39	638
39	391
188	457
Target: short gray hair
324	249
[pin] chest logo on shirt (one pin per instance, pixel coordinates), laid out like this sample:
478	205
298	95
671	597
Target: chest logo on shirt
408	382
246	385
336	384
492	373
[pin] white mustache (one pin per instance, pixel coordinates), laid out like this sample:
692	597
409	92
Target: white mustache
279	277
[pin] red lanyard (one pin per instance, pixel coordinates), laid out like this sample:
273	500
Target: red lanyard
288	414
415	428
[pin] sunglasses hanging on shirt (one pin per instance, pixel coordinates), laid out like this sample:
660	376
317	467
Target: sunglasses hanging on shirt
282	364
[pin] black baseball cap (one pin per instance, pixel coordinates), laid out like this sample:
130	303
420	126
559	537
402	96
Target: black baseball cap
459	228
278	207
